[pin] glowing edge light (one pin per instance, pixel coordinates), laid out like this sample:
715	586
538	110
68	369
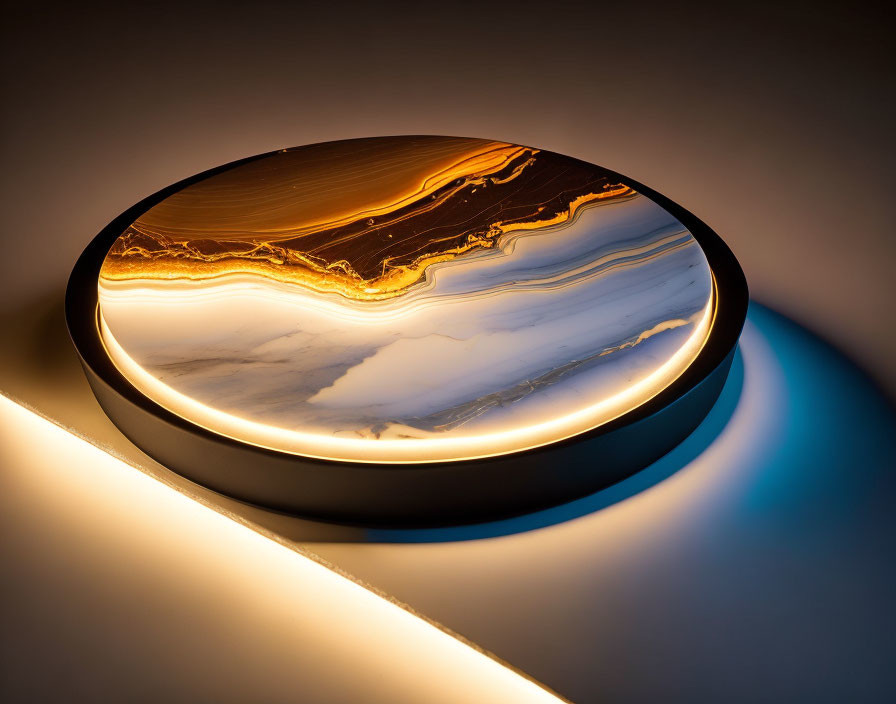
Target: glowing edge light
463	656
411	451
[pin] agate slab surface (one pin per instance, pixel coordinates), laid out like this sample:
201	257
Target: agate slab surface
405	300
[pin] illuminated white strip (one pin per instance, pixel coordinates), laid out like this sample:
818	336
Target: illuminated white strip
420	654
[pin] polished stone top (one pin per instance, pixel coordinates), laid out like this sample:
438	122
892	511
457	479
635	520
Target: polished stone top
405	299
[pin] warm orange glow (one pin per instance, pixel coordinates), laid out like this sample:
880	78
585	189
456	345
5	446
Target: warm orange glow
175	256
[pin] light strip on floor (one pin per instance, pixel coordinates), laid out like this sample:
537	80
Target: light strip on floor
106	490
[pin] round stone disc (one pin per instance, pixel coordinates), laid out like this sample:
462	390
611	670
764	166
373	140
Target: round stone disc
403	301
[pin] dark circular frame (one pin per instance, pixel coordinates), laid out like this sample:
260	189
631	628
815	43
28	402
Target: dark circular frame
436	493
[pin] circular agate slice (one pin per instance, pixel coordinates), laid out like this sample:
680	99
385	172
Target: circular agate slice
405	299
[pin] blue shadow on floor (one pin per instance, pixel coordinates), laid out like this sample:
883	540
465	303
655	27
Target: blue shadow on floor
834	416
